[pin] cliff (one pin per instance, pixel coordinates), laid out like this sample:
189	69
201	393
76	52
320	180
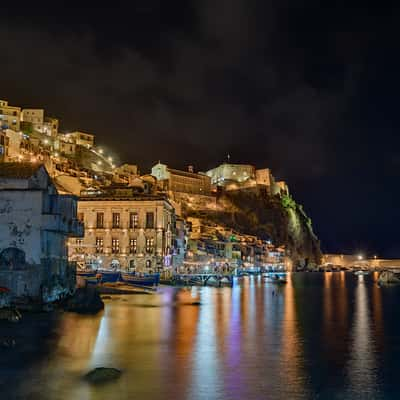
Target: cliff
278	218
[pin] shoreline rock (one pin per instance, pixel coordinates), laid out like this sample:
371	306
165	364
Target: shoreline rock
388	277
84	301
102	375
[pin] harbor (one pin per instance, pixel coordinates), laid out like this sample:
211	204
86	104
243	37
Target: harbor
205	351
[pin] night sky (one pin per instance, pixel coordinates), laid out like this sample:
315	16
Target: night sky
307	88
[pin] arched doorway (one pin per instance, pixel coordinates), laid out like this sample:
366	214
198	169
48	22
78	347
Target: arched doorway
12	258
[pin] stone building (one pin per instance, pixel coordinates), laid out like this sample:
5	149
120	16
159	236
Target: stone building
10	116
32	115
35	224
82	138
229	173
125	229
175	180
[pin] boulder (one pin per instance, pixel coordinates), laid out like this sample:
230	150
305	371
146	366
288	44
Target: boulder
10	314
102	375
84	301
388	277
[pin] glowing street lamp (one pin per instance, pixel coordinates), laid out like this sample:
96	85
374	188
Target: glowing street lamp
101	151
360	257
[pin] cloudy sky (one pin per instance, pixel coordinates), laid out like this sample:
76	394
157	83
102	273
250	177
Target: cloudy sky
307	88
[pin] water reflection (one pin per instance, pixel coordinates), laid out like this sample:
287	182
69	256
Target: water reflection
318	336
362	368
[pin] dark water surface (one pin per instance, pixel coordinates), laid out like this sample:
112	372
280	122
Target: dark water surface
321	336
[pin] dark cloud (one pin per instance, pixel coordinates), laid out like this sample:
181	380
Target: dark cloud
287	85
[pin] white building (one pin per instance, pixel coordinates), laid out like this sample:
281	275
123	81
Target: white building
175	180
35	224
9	116
33	116
126	229
82	138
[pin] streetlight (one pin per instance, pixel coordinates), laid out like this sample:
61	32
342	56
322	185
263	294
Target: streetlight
101	151
360	257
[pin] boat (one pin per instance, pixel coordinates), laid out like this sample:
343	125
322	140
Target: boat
132	278
361	272
276	277
86	273
108	276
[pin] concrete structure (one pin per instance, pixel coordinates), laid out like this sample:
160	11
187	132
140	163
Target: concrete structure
126	173
82	138
10	116
3	145
125	229
49	127
14	145
35	224
245	176
228	173
34	116
181	181
351	261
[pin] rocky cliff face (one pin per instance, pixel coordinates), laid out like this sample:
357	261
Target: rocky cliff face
278	218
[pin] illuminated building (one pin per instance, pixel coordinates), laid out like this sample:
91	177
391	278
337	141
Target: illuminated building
175	180
125	228
9	116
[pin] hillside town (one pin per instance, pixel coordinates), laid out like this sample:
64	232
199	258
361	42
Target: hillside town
67	204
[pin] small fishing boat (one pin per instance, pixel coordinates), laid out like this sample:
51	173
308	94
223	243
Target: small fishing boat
108	276
361	272
132	278
279	278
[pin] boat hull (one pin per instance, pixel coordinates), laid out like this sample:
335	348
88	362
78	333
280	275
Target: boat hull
146	280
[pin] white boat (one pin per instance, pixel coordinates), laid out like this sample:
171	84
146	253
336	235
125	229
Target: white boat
361	272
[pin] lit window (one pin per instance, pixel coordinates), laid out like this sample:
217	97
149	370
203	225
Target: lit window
115	246
149	245
116	219
132	246
100	220
99	245
133	220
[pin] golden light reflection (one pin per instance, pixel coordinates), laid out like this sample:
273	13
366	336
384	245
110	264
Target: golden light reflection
292	346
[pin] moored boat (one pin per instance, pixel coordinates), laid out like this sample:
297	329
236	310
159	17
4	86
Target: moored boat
361	272
132	278
274	277
108	276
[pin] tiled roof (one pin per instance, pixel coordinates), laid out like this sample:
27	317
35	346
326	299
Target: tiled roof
18	170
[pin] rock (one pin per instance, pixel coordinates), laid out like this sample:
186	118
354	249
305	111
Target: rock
102	375
388	277
10	314
84	301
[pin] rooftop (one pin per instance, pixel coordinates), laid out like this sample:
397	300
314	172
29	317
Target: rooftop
17	170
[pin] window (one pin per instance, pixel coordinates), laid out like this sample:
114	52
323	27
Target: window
116	219
115	246
148	263
149	220
149	245
78	248
100	220
99	245
81	216
132	246
133	220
